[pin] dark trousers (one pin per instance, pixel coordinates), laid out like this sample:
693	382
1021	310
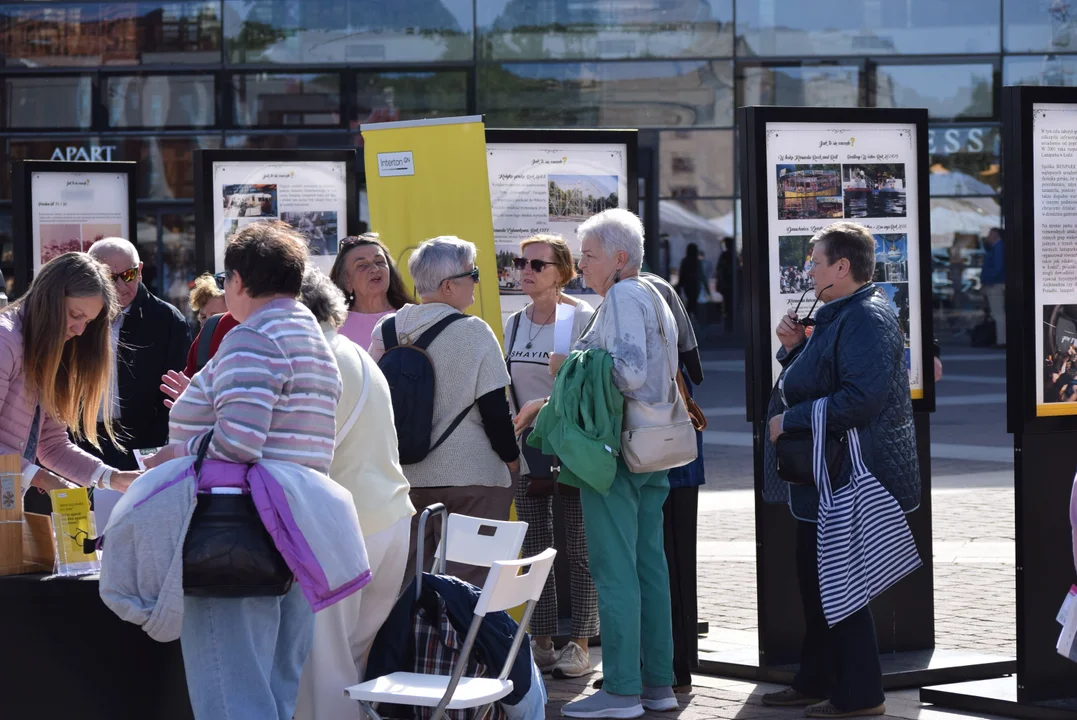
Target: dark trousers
840	663
110	454
679	519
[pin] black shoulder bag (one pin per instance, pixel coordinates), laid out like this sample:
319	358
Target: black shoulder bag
228	553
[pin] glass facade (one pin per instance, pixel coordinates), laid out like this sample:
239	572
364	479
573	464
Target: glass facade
153	80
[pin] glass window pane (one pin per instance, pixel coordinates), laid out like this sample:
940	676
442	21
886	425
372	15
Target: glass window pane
334	140
803	28
522	30
7	253
965	160
160	101
631	94
814	86
1040	70
51	35
949	92
279	100
48	102
958	227
146	242
384	97
700	222
1039	25
695	163
177	268
176	33
340	31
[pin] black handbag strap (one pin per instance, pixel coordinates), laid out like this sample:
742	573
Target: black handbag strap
203	447
508	361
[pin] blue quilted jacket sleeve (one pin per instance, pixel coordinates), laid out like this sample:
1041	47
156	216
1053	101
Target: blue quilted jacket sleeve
864	367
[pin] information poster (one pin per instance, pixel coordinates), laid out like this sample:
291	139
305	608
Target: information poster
312	197
820	174
549	188
70	211
1054	163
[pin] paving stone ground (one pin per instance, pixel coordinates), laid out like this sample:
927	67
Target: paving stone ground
974	592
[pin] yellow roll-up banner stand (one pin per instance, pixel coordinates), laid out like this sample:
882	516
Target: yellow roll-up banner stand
426	178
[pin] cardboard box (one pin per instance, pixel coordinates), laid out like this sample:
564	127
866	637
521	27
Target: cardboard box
26	539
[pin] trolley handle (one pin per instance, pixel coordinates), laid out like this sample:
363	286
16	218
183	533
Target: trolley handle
420	541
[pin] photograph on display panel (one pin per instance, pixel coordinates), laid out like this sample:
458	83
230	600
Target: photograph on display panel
809	192
874	191
794	262
892	258
1059	379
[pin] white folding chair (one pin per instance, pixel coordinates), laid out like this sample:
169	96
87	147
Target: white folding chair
505	588
468	540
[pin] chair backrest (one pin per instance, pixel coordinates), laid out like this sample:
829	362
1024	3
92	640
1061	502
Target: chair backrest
478	541
506	588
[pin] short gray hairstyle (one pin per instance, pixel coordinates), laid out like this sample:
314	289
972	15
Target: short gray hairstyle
616	230
437	259
106	247
323	298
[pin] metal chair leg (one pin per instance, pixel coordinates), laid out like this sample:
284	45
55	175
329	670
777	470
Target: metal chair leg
369	709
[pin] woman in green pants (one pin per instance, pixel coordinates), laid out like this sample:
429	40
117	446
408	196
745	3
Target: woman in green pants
624	527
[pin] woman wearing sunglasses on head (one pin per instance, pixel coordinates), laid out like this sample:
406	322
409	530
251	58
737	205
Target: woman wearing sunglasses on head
472	452
855	358
372	285
545	267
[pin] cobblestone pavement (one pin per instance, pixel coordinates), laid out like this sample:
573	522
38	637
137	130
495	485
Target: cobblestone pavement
974	567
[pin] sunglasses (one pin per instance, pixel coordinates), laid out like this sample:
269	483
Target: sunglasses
473	274
808	321
127	275
536	265
219	278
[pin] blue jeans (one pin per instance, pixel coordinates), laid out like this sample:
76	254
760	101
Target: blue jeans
243	656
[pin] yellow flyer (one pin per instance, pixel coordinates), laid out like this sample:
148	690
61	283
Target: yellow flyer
72	524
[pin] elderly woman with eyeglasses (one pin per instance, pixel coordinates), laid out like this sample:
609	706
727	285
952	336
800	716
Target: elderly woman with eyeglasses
372	285
471	471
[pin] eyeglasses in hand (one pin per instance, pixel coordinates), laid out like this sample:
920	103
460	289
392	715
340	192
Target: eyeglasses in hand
808	320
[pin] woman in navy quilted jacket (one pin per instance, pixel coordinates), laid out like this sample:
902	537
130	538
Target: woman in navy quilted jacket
856	359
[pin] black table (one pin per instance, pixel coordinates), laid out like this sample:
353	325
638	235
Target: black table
63	653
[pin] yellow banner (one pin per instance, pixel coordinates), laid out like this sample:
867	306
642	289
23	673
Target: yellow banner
427	178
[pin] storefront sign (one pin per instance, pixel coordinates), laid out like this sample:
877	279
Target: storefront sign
78	153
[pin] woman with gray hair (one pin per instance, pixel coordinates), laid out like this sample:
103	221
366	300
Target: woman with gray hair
474	454
624	529
366	463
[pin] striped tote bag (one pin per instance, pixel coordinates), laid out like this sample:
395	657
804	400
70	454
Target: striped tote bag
865	544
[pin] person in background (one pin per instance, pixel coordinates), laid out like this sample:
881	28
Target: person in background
472	471
149	338
372	285
366	463
690	280
271	393
204	347
855	359
545	267
625	528
206	298
993	279
55	370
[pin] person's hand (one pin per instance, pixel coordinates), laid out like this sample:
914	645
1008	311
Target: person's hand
173	384
556	361
527	415
168	452
938	369
776	427
45	481
122	480
790	333
514	466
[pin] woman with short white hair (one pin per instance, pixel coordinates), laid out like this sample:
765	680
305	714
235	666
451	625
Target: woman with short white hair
474	456
624	529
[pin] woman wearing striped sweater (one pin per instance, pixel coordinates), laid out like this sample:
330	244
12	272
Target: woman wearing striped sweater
270	392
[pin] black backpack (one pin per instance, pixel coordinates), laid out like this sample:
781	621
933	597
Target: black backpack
410	373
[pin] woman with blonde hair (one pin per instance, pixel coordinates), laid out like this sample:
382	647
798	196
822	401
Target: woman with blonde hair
545	267
206	298
55	371
365	271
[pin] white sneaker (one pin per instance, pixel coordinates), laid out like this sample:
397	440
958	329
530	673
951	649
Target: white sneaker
545	659
574	662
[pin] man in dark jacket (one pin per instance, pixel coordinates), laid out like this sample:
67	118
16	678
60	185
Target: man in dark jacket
150	337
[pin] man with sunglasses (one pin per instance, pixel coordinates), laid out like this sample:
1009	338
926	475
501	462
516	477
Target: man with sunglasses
149	338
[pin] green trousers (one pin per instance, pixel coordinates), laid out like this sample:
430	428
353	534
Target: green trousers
628	564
